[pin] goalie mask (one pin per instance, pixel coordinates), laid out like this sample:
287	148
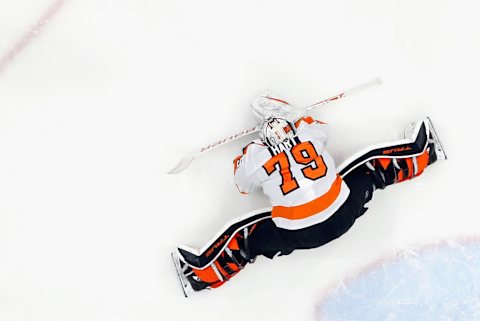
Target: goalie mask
276	130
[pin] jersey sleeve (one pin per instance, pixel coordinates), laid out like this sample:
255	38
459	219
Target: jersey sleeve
314	124
246	169
314	129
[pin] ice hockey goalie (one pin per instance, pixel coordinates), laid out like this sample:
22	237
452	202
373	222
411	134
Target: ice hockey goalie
313	201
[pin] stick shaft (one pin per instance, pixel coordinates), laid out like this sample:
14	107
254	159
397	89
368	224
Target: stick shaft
346	93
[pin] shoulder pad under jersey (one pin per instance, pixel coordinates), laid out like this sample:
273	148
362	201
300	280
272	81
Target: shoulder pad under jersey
254	142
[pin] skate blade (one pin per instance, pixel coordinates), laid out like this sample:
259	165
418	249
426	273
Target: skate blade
439	150
186	287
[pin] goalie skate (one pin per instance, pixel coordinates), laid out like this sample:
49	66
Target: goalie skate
433	138
186	287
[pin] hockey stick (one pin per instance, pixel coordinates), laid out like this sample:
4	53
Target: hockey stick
376	81
187	160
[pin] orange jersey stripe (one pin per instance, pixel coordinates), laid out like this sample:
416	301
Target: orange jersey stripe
308	120
311	208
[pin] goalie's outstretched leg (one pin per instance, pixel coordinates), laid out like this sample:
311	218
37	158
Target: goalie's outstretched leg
239	243
399	161
387	164
391	170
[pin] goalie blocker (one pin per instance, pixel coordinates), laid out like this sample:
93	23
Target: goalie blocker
257	233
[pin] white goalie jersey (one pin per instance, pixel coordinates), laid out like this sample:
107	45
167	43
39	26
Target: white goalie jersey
299	176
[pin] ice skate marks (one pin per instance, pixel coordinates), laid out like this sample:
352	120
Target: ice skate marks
432	282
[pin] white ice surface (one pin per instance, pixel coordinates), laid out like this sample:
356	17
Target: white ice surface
109	95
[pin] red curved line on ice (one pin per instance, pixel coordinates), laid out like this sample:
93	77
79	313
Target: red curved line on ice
27	38
388	258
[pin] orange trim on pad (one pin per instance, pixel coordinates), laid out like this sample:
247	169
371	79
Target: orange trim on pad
384	162
422	162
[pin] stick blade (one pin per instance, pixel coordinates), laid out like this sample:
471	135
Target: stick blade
182	164
371	83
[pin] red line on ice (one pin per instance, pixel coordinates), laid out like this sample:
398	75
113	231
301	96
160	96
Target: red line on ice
342	282
28	37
